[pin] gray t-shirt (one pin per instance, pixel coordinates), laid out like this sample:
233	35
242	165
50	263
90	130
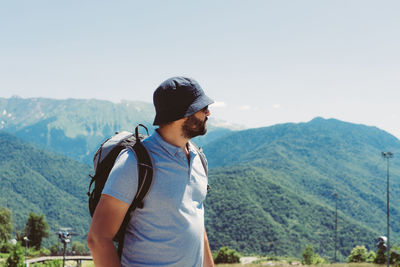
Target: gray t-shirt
168	231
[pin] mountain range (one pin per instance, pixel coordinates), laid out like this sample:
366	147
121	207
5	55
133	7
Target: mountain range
287	176
76	127
272	189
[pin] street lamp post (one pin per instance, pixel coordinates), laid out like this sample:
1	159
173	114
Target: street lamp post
26	245
336	197
26	249
387	155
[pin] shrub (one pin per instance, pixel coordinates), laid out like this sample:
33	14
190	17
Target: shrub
16	257
53	263
395	255
44	252
358	254
54	249
79	248
6	248
227	255
371	257
319	260
310	257
380	256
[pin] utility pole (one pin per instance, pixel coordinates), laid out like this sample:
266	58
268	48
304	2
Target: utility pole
336	197
387	155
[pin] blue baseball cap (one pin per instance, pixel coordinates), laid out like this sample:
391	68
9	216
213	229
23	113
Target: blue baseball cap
177	98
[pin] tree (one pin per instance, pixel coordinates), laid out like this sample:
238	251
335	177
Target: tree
5	226
36	229
310	257
380	256
79	248
358	254
227	255
16	257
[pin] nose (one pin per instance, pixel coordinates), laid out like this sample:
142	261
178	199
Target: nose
206	111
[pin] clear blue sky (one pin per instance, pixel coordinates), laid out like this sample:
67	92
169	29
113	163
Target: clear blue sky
264	62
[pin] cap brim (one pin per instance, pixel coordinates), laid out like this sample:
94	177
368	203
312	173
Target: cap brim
197	105
200	103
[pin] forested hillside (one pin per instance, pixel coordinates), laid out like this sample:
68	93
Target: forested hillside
32	180
247	211
76	127
272	188
306	163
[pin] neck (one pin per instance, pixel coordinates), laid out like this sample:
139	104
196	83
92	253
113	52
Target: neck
172	134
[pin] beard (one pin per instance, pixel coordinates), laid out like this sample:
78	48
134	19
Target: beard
193	127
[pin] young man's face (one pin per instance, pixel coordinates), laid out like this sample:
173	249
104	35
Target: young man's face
195	124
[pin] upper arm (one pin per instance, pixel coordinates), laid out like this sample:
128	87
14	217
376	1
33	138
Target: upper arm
117	196
122	182
108	217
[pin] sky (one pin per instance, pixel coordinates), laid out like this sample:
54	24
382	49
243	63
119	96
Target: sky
263	61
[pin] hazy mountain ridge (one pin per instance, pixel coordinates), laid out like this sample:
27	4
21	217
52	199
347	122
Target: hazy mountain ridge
76	127
313	161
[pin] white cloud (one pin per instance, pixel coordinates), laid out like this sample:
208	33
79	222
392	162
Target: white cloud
218	104
245	107
277	106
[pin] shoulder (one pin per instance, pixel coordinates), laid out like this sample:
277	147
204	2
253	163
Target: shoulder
123	177
126	157
125	164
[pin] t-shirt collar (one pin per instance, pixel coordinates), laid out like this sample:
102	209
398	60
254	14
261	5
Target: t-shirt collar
171	149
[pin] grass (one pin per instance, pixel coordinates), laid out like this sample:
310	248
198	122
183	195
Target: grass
277	264
263	263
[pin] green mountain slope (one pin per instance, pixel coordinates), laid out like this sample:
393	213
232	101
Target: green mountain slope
32	180
272	188
76	127
246	210
310	162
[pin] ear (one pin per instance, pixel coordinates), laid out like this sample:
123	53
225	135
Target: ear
173	124
180	122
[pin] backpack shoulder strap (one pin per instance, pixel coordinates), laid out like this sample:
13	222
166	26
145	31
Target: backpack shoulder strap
145	179
203	161
202	157
145	170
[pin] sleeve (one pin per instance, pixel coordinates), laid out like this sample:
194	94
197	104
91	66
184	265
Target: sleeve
122	182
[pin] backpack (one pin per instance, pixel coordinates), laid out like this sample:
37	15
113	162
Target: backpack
103	162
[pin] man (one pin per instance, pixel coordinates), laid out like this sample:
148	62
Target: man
169	229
